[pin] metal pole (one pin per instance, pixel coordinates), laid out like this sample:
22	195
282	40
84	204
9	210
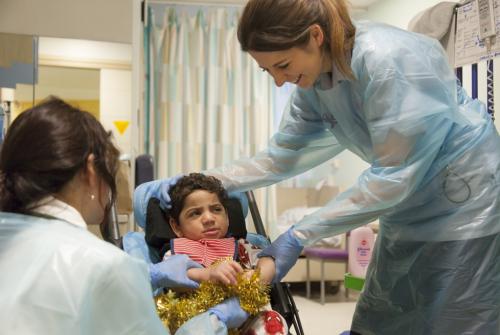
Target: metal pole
252	205
474	81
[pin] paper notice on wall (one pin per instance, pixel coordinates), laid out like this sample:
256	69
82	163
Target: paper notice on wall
469	48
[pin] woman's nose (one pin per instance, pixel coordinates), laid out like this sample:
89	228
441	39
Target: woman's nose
279	78
279	81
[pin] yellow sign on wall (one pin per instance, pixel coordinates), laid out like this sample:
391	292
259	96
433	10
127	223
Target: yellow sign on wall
121	126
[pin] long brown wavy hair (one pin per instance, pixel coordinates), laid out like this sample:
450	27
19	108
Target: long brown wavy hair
275	25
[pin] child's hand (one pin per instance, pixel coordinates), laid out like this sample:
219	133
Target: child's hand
225	272
248	274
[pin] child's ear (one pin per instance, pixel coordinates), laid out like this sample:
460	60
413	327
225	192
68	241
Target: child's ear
175	227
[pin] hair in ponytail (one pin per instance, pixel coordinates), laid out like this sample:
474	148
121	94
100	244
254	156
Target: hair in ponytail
45	147
8	200
275	25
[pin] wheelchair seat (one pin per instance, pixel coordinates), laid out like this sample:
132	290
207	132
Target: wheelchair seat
152	244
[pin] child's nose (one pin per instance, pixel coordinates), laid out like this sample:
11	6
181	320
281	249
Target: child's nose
208	217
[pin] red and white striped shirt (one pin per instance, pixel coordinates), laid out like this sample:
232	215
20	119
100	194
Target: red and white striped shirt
204	251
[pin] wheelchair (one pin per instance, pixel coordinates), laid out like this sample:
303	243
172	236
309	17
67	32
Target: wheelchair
151	244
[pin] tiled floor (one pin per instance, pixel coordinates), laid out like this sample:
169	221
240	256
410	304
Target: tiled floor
332	318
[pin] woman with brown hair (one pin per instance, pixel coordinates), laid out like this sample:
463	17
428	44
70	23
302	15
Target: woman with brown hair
390	97
57	175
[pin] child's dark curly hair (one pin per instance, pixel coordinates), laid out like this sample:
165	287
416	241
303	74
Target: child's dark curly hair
190	183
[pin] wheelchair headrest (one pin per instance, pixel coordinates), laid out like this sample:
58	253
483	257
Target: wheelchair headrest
158	232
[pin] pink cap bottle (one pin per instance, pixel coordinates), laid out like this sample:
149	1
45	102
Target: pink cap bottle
360	248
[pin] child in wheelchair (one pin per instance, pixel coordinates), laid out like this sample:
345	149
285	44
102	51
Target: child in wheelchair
199	219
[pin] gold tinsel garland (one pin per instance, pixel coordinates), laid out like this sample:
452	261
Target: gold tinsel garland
174	310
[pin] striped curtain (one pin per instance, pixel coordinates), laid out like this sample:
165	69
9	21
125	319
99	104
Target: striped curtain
209	101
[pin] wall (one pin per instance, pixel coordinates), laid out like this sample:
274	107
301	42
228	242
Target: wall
84	53
94	75
115	105
101	20
396	12
77	34
77	86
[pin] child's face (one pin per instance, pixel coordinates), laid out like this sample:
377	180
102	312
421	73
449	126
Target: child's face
202	217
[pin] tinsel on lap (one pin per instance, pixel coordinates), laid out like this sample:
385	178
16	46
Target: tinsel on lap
175	309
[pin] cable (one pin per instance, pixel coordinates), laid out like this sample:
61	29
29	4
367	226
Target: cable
449	195
489	89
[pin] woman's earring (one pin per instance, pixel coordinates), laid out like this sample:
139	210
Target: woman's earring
92	197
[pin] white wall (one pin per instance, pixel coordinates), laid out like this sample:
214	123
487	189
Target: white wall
115	104
84	50
396	12
101	20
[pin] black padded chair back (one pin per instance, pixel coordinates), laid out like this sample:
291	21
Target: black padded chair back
159	233
144	169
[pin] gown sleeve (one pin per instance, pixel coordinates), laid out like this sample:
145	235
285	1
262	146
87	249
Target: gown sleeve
301	143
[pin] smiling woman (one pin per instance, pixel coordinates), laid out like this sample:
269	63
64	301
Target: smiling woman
391	98
321	29
297	65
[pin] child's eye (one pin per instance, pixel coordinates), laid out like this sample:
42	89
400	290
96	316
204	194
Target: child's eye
283	66
193	214
218	209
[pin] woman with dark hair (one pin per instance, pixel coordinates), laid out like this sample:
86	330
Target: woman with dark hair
390	97
57	168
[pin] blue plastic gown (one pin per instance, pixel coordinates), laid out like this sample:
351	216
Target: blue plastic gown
57	278
433	182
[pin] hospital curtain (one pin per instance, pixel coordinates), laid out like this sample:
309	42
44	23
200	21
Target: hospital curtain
210	103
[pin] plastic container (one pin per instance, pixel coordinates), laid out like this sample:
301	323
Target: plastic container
354	283
360	247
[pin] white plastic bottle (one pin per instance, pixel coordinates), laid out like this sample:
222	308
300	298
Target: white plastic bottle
360	248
